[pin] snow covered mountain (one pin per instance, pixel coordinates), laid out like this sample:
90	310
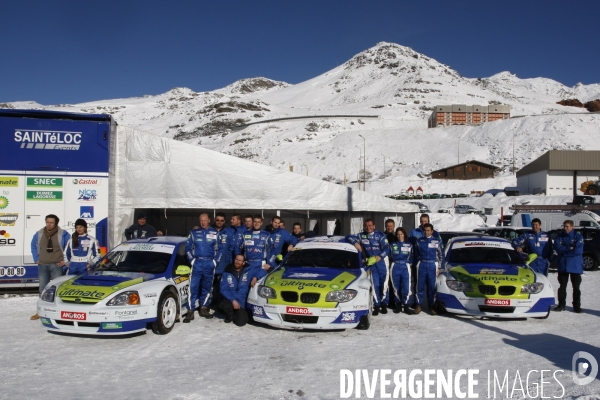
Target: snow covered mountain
385	93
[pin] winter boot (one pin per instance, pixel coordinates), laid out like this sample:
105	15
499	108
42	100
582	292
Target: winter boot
383	309
418	309
375	310
398	309
205	312
189	317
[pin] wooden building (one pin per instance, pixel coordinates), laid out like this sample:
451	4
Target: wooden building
462	114
467	170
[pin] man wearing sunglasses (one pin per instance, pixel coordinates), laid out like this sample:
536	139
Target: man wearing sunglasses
47	249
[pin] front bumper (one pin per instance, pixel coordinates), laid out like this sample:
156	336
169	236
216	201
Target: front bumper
504	308
85	319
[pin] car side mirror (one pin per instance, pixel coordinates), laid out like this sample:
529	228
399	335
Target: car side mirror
530	258
183	270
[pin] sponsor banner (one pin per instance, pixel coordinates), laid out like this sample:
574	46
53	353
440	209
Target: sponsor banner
9	181
45	182
48	140
297	310
6	240
497	302
98	313
44	195
86	212
87	195
8	219
74	315
85	181
3	202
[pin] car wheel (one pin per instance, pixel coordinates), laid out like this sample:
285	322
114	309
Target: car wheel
589	262
166	314
364	323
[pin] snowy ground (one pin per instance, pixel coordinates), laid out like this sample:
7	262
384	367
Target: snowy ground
213	360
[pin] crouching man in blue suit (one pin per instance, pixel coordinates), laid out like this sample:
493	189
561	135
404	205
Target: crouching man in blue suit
236	281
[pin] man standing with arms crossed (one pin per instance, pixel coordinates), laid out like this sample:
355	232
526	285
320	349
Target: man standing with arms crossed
279	238
201	249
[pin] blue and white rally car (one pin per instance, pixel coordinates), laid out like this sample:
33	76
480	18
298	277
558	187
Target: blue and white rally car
140	284
485	276
320	284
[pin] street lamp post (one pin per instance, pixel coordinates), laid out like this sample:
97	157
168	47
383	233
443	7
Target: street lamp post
359	162
364	162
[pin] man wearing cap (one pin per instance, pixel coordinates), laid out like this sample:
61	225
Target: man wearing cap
47	249
141	230
82	250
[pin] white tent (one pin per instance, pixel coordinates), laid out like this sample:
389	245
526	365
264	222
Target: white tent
149	171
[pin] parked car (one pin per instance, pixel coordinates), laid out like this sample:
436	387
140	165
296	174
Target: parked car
485	276
422	207
444	210
320	284
591	247
138	284
435	195
466	209
508	233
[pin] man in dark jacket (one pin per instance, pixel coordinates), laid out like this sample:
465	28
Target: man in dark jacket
141	230
236	282
569	247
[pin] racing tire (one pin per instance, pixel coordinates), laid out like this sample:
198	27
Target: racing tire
364	323
589	262
439	307
166	313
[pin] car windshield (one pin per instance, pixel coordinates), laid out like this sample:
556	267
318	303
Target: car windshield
486	255
150	262
322	258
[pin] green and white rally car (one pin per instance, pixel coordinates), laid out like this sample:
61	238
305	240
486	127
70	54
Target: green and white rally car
320	284
140	284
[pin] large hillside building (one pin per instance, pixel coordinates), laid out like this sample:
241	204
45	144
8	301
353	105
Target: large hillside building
462	114
559	172
467	170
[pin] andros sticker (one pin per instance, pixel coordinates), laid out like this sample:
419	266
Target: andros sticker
78	316
298	310
497	302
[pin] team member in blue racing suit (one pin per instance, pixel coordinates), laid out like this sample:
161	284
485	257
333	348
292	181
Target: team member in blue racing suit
401	252
537	242
225	239
82	250
569	247
415	234
201	250
278	238
236	282
375	244
430	257
256	247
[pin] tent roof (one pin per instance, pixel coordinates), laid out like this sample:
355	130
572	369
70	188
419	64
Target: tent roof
156	172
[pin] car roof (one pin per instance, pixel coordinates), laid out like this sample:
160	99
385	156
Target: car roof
160	240
467	239
464	233
326	242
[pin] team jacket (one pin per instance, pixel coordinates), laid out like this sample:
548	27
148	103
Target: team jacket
401	252
202	243
225	239
256	245
374	244
429	249
278	238
569	261
236	285
538	243
86	251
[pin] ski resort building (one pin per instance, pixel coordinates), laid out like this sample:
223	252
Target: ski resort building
559	172
462	114
467	170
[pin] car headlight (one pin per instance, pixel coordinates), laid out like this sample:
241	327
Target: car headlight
341	296
532	288
267	292
125	299
459	286
48	294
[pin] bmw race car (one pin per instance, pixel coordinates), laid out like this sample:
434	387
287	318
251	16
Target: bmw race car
485	276
320	284
138	284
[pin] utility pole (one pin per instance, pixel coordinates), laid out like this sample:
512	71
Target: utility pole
513	168
364	162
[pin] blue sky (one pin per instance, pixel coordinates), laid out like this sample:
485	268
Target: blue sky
57	52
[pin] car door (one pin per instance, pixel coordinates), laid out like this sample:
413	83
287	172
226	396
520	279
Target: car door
182	282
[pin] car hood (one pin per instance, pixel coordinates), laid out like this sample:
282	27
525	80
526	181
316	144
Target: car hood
93	288
310	280
493	275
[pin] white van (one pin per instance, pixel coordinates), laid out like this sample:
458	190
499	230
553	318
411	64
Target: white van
555	220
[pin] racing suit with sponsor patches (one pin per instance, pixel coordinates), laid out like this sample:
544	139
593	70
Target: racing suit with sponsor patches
235	285
256	250
430	256
401	258
201	249
86	252
278	238
538	243
376	244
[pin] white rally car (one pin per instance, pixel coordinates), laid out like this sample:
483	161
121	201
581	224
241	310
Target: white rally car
140	284
485	276
320	284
